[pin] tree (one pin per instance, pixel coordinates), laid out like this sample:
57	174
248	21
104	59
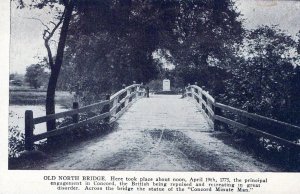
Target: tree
12	76
36	75
105	53
264	77
116	49
209	32
55	64
132	30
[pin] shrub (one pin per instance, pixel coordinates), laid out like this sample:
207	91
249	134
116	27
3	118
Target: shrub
16	142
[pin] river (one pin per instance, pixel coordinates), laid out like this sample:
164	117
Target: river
17	112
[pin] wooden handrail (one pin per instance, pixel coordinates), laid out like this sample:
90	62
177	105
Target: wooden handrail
107	109
43	119
215	109
256	117
257	132
123	90
69	127
205	93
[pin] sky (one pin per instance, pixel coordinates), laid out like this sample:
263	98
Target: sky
26	33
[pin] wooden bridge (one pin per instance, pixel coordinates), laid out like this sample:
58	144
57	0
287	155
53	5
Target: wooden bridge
164	132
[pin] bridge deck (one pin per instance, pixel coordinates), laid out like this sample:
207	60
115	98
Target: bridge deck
158	133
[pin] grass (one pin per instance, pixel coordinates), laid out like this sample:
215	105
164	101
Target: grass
28	96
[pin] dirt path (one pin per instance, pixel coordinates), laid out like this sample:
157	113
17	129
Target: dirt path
159	133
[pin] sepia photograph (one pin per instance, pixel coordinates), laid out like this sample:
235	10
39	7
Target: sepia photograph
155	85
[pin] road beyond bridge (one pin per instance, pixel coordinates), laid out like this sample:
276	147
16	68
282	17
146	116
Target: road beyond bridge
163	132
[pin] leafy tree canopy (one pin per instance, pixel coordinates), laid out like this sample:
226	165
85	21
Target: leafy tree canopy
36	75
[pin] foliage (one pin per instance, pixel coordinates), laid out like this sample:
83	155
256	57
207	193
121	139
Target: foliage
36	75
155	85
210	32
12	76
110	43
264	77
16	142
102	54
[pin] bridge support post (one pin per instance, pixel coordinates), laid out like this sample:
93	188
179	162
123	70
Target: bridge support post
217	124
106	109
136	91
184	92
128	91
75	117
147	92
29	130
252	139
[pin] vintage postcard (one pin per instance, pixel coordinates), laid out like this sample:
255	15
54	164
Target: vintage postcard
153	96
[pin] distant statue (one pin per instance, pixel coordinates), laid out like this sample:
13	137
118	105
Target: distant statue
166	85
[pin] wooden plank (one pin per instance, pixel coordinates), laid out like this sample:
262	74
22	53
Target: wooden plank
194	93
208	119
121	102
123	90
257	132
260	118
29	130
126	98
115	107
69	127
98	105
120	113
210	110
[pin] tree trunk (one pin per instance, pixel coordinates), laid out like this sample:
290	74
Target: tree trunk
55	69
50	99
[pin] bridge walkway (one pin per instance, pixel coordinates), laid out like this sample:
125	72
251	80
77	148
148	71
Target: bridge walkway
163	132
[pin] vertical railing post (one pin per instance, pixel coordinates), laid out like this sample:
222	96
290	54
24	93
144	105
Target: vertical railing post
127	99
147	92
141	87
106	109
136	91
188	90
115	103
251	138
29	130
250	109
75	117
217	112
122	95
194	90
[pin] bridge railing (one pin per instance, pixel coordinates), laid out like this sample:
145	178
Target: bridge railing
107	111
257	125
205	101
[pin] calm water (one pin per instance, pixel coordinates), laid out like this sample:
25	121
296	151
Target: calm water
17	112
